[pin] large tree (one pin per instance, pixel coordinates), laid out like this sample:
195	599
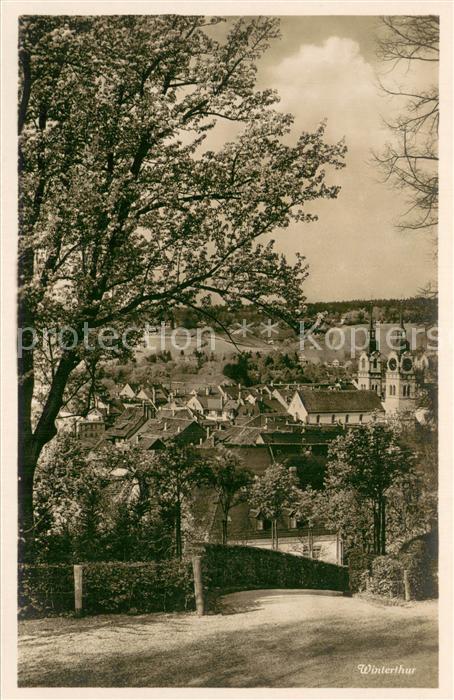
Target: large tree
230	480
124	213
410	160
273	493
176	471
363	467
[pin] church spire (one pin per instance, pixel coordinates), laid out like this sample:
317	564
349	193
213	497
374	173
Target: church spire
372	336
403	342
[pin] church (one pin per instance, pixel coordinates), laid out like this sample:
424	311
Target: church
393	378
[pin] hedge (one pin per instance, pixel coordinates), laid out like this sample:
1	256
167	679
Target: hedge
114	587
109	587
422	569
236	567
360	569
387	577
45	589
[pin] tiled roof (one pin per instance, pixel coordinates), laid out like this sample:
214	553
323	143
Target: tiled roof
147	442
132	385
231	390
239	435
305	437
270	405
231	405
147	392
214	403
266	420
325	401
127	423
181	413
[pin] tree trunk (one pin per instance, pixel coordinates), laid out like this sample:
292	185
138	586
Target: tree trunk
26	471
224	531
31	442
274	537
178	542
376	549
383	526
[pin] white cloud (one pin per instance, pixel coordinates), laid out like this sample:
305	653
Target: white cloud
355	235
331	80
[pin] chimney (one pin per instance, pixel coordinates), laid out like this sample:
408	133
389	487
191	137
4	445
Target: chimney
165	425
207	390
208	432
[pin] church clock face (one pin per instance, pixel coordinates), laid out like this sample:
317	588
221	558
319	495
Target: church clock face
392	364
407	364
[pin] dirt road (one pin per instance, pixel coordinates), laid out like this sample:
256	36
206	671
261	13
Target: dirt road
258	639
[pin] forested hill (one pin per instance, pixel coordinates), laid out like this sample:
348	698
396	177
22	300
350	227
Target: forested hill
418	310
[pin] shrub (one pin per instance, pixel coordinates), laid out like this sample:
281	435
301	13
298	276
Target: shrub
387	577
144	587
359	569
421	570
108	587
45	589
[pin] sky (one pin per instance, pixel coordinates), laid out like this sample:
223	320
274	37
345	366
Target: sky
326	67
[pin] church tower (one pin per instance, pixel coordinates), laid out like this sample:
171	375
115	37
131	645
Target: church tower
369	368
400	380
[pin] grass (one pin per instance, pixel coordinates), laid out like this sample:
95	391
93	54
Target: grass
260	639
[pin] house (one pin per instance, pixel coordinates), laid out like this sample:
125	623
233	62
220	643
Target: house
284	395
147	395
180	431
270	405
128	424
329	406
231	391
128	391
211	406
268	421
174	411
92	427
249	527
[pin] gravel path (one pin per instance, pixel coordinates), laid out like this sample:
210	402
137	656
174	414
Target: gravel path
258	639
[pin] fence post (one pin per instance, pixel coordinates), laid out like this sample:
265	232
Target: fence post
198	584
78	588
407	586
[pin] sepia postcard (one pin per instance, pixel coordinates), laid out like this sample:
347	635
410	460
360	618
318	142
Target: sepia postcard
227	351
